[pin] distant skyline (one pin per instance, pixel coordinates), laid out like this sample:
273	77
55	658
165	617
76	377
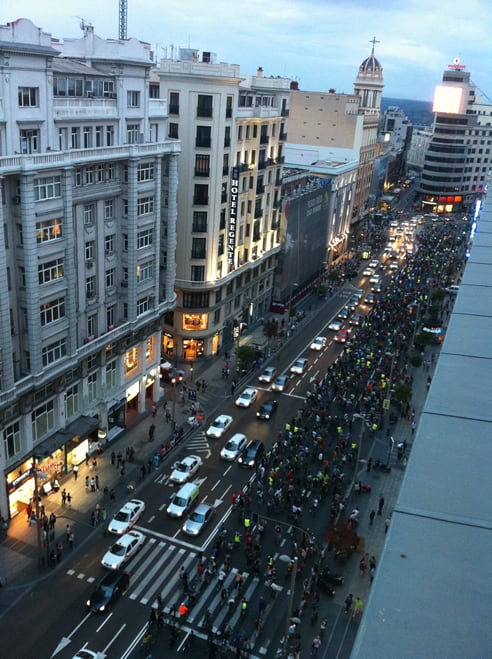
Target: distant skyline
319	43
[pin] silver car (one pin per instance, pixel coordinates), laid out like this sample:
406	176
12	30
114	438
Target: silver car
198	519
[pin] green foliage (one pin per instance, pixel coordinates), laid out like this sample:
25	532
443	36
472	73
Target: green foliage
402	393
423	339
246	354
270	328
415	360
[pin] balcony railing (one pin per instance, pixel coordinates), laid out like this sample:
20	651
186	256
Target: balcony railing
201	172
203	112
200	201
263	139
173	108
203	142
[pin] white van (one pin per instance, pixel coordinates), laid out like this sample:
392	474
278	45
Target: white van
453	289
184	500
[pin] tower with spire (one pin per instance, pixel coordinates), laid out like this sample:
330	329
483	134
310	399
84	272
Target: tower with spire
369	83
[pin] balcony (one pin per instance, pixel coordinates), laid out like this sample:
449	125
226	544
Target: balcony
157	108
202	172
264	139
260	188
66	109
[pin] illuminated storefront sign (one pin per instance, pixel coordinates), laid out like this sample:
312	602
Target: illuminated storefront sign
231	233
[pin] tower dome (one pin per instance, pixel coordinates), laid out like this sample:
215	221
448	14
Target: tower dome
369	83
371	66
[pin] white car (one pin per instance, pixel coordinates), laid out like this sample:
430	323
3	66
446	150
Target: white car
318	343
336	325
299	366
374	263
367	272
85	653
394	265
185	469
122	550
247	398
126	517
233	447
219	426
375	279
280	382
268	374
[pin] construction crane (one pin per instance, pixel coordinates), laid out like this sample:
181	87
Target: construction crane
123	16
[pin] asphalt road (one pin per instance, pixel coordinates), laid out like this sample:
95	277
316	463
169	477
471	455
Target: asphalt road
54	621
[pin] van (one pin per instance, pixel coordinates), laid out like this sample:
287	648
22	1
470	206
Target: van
184	500
453	289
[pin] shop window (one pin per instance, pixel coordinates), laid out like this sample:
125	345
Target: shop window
132	358
11	440
149	350
195	321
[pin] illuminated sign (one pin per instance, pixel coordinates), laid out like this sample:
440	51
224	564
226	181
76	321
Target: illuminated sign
447	99
456	65
231	233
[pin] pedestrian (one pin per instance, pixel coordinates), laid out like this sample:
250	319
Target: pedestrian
387	522
64	496
87	483
71	539
52	521
75	471
154	409
168	416
113	458
94	462
87	458
69	500
372	515
68	530
59	550
358	605
112	495
349	600
369	464
96	478
381	504
93	484
363	563
372	573
315	645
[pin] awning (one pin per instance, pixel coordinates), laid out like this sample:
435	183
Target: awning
78	430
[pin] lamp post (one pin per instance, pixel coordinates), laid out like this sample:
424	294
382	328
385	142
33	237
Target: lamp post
295	561
173	382
36	501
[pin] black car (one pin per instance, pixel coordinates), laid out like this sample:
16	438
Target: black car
267	410
252	454
108	591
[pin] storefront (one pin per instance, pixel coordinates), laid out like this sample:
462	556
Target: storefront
51	460
192	349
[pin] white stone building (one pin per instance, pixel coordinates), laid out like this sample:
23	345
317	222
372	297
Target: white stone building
88	182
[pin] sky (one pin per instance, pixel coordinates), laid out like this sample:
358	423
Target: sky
318	43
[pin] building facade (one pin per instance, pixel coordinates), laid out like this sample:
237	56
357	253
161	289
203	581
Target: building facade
457	161
232	130
88	184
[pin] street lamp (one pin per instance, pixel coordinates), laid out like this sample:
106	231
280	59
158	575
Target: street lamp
287	559
173	382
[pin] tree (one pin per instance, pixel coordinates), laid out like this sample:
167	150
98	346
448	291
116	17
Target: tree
246	355
342	537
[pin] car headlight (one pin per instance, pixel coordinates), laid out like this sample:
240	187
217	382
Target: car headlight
267	416
88	603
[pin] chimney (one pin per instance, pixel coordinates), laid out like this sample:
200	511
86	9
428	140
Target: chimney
259	73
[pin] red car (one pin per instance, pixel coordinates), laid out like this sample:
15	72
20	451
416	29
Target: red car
342	336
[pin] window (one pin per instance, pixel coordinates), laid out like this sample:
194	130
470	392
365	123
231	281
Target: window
99	135
90	287
48	230
145	238
133	99
173	131
202	165
204	106
92	387
201	194
110	315
29	140
75	137
109	242
143	305
173	103
28	97
217	315
145	172
220	248
227	136
11	440
92	325
48	187
145	271
109	275
111	374
154	132
53	352
50	271
42	420
203	136
90	250
87	137
109	135
89	214
145	205
195	300
199	221
197	273
132	131
108	209
52	311
198	248
71	401
89	175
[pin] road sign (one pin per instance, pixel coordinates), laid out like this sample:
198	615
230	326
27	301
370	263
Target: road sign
386	404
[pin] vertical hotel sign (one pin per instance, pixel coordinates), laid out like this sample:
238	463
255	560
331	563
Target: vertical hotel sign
231	233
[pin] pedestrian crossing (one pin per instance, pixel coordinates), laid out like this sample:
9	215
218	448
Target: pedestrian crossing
155	571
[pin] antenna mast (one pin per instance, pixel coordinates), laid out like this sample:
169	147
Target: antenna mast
123	16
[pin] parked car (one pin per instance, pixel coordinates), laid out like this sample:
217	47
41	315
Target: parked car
123	549
299	366
233	447
268	375
199	519
280	382
252	454
218	427
126	517
185	469
267	410
247	398
108	591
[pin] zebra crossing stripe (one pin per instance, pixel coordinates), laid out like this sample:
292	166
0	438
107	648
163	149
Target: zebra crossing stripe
174	581
150	560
